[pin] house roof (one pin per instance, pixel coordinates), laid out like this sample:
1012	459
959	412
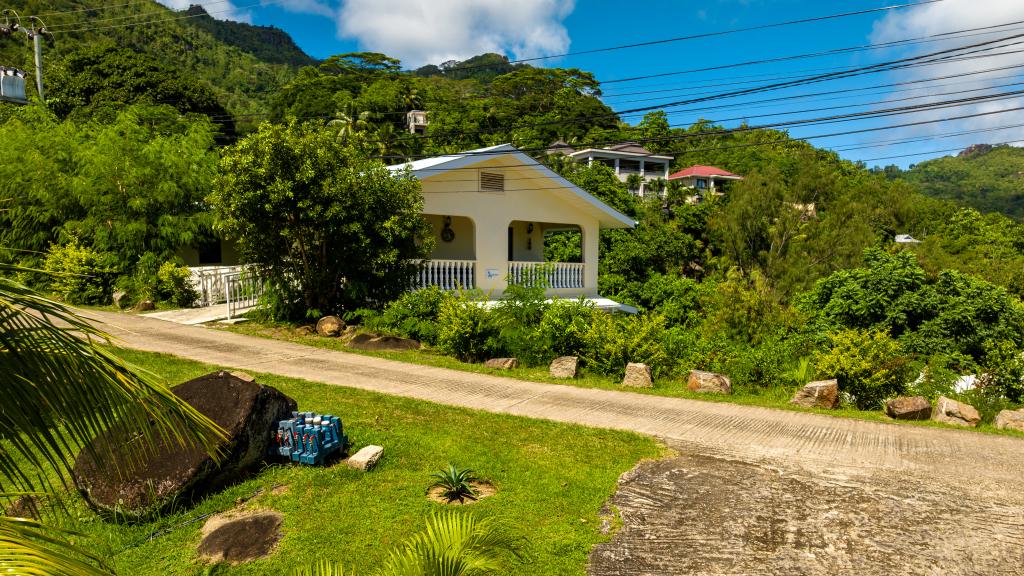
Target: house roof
629	149
427	167
704	172
560	147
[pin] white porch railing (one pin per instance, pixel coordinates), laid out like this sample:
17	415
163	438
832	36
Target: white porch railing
210	282
243	290
559	274
446	274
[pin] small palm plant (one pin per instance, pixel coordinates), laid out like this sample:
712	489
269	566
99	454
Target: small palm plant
455	483
321	568
456	545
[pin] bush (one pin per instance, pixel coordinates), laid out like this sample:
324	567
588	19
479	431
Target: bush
564	326
519	315
79	274
614	341
868	364
175	284
1003	369
468	330
413	315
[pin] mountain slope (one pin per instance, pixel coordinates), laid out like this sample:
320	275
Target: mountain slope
243	82
990	179
267	43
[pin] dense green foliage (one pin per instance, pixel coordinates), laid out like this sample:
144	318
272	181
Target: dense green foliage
987	178
328	228
267	43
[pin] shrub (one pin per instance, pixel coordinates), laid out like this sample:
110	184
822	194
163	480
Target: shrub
565	324
79	274
614	341
868	364
455	483
467	330
175	284
519	315
1003	370
413	315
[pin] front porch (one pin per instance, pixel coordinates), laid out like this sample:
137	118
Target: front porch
465	257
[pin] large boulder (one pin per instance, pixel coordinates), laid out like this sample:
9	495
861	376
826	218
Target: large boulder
145	306
700	381
121	299
330	326
820	394
564	367
909	408
1010	420
949	411
638	375
245	410
502	363
375	343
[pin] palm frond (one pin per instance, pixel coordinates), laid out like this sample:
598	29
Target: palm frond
454	544
62	388
322	568
30	548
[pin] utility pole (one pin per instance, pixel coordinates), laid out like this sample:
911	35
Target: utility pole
36	34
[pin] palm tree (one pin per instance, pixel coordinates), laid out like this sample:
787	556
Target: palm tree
62	387
349	120
456	544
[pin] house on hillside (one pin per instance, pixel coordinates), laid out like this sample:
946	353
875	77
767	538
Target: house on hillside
626	159
705	180
416	121
491	211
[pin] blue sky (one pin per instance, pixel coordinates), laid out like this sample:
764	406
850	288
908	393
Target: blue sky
430	31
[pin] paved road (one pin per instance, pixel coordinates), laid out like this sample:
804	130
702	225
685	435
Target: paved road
920	467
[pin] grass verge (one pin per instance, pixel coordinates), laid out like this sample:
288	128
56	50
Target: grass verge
551	481
777	398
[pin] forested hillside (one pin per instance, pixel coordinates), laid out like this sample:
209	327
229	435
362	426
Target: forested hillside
988	178
267	43
242	81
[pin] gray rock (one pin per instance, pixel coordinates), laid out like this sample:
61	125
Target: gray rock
820	394
700	381
349	333
305	331
330	326
375	343
909	408
120	299
564	367
242	539
950	411
1010	420
502	363
366	458
145	306
173	475
638	375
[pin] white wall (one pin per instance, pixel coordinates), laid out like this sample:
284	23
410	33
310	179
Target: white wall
462	247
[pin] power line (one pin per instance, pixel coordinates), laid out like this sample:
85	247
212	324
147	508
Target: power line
162	9
1009	143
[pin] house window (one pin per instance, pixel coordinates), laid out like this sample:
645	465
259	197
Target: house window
702	183
492	182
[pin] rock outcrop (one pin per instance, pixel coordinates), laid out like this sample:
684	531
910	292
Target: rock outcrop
245	410
909	408
375	343
638	375
820	394
949	411
330	326
564	367
700	381
1010	420
502	363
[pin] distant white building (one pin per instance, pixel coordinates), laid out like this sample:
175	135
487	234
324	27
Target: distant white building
905	239
416	120
626	159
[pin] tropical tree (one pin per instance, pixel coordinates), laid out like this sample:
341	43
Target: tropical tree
63	387
330	229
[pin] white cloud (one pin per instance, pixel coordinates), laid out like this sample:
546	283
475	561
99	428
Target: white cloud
948	16
433	31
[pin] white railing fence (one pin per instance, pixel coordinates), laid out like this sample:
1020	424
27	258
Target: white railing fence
209	281
558	274
446	274
243	291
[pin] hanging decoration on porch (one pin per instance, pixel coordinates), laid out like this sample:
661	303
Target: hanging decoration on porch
447	234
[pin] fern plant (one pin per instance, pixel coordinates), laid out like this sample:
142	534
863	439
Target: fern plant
456	545
455	483
321	568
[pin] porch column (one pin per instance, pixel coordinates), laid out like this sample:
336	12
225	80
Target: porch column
616	166
591	233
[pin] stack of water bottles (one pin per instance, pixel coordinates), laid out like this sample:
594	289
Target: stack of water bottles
309	438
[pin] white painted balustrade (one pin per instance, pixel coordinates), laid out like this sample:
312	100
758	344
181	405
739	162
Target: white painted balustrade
559	274
447	274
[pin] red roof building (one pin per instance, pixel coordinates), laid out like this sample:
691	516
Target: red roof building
705	172
704	180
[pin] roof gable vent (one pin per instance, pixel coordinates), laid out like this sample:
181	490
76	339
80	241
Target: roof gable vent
492	182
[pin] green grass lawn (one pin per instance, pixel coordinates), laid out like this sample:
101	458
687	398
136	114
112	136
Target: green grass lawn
551	481
778	397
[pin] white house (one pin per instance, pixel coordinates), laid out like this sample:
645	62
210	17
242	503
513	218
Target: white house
491	210
626	159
